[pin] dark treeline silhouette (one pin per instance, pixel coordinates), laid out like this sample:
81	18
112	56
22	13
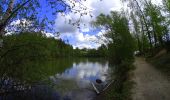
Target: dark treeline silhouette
101	51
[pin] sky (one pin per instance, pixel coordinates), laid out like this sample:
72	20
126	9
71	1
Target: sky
87	35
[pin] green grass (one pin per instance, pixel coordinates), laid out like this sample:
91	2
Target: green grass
162	63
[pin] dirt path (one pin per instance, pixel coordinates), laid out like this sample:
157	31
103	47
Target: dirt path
150	83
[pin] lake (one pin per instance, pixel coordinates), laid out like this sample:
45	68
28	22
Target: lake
64	79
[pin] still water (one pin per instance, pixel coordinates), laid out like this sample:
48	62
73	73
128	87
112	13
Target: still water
68	79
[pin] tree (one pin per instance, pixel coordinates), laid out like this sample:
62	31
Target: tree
166	9
30	9
166	4
136	31
150	24
103	51
137	8
122	45
7	15
157	23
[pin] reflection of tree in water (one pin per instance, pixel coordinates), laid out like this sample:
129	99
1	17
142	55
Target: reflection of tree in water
37	92
34	81
24	77
36	71
101	61
9	85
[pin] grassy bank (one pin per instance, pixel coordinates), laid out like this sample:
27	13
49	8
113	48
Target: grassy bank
120	89
162	63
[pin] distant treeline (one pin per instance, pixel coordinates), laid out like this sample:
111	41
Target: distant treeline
36	46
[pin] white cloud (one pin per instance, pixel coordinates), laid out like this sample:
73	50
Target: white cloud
96	7
62	24
19	25
85	38
82	40
47	34
85	71
105	6
157	2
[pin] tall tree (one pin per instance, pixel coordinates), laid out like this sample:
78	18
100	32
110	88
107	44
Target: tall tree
137	8
166	9
122	45
156	22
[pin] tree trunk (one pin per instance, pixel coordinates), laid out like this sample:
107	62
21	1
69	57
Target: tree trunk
146	25
7	14
154	33
139	44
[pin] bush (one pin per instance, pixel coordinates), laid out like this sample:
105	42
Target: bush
167	45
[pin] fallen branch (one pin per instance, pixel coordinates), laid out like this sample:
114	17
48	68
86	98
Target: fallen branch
97	91
108	85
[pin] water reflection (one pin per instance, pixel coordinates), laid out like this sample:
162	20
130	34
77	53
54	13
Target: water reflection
89	71
69	79
75	82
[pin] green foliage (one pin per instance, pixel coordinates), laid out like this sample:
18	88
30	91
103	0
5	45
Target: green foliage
167	46
156	22
123	83
162	63
150	24
102	51
29	56
166	4
123	44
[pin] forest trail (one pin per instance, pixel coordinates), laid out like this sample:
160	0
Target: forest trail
150	83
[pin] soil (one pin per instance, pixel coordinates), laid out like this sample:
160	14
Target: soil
151	84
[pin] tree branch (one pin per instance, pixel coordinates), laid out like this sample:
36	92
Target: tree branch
17	9
5	22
